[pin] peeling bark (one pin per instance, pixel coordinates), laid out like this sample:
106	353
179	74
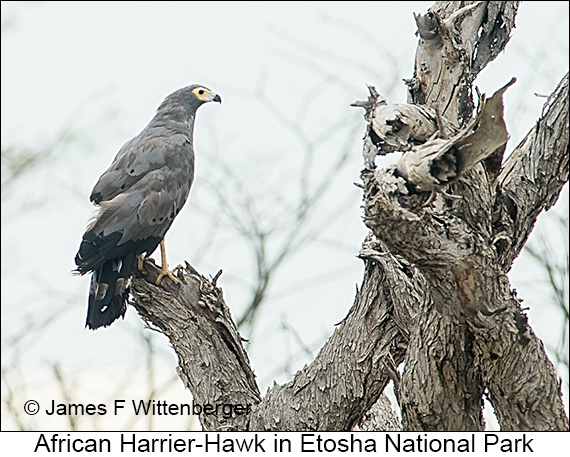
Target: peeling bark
332	393
211	360
441	161
472	336
457	40
397	127
532	177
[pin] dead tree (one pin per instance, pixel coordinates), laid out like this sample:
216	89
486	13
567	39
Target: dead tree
446	223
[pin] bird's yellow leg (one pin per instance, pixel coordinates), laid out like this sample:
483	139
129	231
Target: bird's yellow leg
164	271
140	260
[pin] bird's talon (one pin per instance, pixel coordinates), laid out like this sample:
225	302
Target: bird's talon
141	259
166	272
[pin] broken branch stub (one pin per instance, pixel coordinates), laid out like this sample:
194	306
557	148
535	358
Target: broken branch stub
442	74
398	127
438	162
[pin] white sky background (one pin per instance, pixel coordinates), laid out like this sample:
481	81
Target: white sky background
99	70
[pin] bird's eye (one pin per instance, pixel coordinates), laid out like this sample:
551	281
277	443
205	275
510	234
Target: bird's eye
201	93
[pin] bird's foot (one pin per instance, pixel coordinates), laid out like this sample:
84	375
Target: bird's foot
164	271
141	259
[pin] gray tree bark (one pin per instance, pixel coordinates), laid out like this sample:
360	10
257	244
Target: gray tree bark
446	223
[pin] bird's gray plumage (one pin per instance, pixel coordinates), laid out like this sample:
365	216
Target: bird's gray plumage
138	197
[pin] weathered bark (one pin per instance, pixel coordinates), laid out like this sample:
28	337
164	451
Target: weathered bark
521	380
379	417
475	336
333	393
435	296
532	177
211	360
457	40
440	161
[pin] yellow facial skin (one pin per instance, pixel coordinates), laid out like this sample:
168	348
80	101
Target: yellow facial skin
206	95
203	94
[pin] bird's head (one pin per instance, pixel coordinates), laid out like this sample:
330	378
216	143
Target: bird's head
181	106
191	97
203	94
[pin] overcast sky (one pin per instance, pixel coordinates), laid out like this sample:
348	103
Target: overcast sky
79	79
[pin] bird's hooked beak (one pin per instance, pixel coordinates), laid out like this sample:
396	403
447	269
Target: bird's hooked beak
216	98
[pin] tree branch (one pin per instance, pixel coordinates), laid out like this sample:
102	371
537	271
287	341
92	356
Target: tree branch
332	393
353	367
457	40
212	361
532	177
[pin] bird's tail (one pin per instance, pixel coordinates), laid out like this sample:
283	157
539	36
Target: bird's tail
109	291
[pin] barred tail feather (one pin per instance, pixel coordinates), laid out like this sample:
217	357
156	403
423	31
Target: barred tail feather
109	291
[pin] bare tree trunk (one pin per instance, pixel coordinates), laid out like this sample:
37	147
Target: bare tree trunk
447	222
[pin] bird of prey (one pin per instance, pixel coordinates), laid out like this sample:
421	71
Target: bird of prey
138	198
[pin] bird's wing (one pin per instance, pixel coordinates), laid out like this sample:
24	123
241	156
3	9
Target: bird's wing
147	208
138	198
152	149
